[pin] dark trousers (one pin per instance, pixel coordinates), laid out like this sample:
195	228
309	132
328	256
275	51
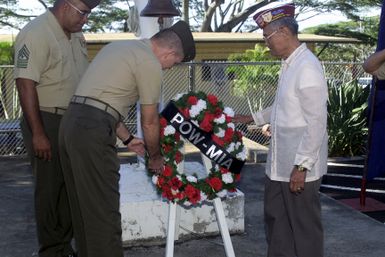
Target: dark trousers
293	221
87	141
53	219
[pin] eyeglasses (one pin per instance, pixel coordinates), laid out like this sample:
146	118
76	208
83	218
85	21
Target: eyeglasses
266	38
84	14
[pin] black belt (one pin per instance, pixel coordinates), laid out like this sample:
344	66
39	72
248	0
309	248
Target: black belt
97	104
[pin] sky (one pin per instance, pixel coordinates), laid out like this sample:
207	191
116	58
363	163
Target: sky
319	19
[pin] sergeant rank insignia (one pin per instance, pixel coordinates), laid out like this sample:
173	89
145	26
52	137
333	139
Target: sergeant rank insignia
23	57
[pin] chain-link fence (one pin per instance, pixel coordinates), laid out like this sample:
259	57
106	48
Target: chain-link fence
239	85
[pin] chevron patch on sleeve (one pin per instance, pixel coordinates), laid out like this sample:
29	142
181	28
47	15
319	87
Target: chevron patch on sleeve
22	57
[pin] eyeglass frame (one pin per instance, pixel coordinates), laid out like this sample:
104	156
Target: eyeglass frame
83	14
266	38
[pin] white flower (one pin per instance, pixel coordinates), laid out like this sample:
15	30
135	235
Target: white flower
242	155
194	111
202	104
192	179
231	147
154	179
229	111
169	130
231	125
222	193
220	120
220	133
203	197
227	178
179	96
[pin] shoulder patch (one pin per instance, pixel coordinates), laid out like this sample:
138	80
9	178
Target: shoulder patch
22	57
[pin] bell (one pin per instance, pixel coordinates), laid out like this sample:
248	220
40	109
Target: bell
159	8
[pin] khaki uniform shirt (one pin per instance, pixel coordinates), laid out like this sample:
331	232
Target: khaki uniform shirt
122	73
44	54
298	118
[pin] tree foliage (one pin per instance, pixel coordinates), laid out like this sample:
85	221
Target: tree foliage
108	16
203	15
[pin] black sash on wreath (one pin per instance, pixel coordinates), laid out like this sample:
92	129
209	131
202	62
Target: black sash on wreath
201	139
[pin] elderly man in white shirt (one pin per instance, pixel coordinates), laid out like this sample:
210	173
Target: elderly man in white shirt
297	157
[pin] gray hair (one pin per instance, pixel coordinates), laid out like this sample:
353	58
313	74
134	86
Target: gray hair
169	39
288	22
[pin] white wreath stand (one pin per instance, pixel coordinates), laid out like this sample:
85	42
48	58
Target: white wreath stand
174	214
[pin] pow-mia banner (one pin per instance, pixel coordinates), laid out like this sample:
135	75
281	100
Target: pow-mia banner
201	139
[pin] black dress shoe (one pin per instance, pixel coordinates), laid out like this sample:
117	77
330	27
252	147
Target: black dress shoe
71	255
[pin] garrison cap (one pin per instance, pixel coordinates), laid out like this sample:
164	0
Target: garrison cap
183	31
266	17
91	3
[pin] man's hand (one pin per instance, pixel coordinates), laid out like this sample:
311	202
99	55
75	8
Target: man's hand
297	180
42	147
137	145
155	164
266	130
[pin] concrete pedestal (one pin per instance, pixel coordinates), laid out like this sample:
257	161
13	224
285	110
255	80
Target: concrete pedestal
145	214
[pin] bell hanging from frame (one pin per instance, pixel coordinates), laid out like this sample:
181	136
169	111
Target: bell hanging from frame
159	8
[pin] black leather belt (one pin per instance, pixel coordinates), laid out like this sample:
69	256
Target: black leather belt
97	104
54	110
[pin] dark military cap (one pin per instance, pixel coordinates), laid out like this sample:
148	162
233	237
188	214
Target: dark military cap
91	3
183	31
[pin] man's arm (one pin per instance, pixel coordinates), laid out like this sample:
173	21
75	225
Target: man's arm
29	102
135	144
374	61
151	129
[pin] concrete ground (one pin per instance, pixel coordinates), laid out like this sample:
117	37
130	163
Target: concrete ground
348	233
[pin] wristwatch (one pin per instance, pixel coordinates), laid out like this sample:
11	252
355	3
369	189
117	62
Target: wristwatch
128	140
301	168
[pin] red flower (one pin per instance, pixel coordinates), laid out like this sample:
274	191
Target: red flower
163	122
212	99
215	183
237	177
160	181
207	122
228	119
167	172
178	157
175	183
217	140
224	170
193	194
192	100
229	135
177	136
218	112
167	148
185	112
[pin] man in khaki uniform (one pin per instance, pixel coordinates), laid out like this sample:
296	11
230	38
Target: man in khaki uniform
121	74
50	58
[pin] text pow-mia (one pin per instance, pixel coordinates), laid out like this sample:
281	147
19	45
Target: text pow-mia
201	140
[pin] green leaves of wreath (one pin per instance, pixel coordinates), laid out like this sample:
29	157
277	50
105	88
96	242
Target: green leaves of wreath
209	114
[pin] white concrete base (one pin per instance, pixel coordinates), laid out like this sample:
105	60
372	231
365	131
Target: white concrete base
145	214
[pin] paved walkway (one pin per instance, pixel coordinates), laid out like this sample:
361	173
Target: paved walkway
348	233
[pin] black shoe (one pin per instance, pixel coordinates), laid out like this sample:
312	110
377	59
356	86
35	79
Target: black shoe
71	255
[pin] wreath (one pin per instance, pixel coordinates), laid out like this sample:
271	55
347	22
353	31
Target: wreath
206	112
